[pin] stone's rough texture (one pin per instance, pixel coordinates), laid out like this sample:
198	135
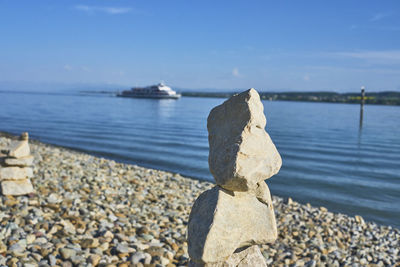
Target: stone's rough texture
24	161
241	152
222	221
238	212
250	256
16	188
19	149
262	194
15	173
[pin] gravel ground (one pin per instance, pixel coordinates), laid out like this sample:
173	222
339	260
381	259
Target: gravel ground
89	211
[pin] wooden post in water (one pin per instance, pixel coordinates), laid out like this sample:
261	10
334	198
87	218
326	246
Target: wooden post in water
362	105
362	97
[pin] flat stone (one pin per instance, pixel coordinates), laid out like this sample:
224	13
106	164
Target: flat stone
164	261
124	248
52	260
222	221
250	256
90	243
22	162
67	253
94	259
147	237
68	227
155	251
15	173
241	151
53	198
16	188
137	257
19	149
147	258
16	248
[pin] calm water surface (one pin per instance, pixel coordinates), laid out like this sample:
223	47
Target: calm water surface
327	160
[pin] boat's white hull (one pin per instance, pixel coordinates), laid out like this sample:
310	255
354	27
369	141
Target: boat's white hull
176	96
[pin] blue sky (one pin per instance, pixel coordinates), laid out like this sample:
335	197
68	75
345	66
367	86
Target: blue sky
268	45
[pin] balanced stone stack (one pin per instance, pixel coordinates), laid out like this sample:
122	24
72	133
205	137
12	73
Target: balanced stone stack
229	221
16	168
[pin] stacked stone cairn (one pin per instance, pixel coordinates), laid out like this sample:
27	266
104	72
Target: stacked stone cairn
229	221
16	168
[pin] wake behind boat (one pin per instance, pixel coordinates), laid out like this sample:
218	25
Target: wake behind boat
154	91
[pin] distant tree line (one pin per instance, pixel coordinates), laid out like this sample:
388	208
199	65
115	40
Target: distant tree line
377	98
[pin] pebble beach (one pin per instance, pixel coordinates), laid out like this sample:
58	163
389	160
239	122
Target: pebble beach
90	211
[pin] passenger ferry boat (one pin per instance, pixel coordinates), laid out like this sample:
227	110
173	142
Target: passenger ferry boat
154	91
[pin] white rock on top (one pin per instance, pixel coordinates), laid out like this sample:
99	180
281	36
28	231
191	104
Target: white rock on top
15	173
241	152
24	136
16	188
222	221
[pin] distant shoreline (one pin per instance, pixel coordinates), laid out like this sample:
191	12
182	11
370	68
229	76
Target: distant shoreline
388	98
371	98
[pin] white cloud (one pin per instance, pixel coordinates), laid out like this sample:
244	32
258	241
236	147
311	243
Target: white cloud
306	77
116	10
378	17
67	67
107	10
83	8
235	72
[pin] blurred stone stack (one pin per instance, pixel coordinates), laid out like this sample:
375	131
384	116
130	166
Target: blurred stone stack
16	168
228	221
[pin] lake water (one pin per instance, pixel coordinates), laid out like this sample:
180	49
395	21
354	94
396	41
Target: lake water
327	160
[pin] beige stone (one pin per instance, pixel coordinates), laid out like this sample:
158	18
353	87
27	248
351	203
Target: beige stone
16	188
228	221
19	149
241	152
250	256
15	173
222	221
24	161
263	194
